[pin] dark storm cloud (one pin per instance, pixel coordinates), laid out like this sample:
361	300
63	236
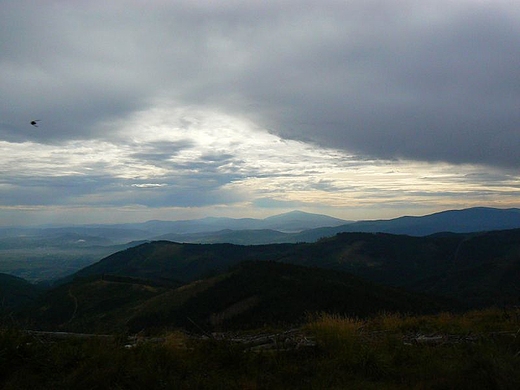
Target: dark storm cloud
399	86
432	80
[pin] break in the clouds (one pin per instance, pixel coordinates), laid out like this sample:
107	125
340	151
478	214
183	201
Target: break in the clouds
358	105
206	162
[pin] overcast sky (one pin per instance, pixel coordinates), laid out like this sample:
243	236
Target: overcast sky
357	109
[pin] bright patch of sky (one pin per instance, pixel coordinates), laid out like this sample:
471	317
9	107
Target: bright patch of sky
174	163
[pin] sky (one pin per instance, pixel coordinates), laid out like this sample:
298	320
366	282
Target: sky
360	109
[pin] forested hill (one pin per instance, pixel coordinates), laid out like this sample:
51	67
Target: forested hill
480	269
250	295
15	292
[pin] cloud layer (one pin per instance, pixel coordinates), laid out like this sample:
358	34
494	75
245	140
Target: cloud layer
190	104
434	80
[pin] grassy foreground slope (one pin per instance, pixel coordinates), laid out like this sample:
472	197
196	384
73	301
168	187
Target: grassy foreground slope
477	350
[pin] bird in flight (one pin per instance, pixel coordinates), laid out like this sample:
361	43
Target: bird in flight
35	122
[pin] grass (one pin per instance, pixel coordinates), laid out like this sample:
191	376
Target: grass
483	352
474	350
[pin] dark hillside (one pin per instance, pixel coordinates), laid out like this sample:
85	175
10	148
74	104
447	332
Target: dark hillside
15	292
160	260
250	295
385	258
94	305
485	269
255	294
481	269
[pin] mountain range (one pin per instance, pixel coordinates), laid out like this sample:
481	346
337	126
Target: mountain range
294	226
294	221
476	219
161	284
45	253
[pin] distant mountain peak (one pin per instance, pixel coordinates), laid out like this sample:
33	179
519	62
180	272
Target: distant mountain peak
297	212
301	214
